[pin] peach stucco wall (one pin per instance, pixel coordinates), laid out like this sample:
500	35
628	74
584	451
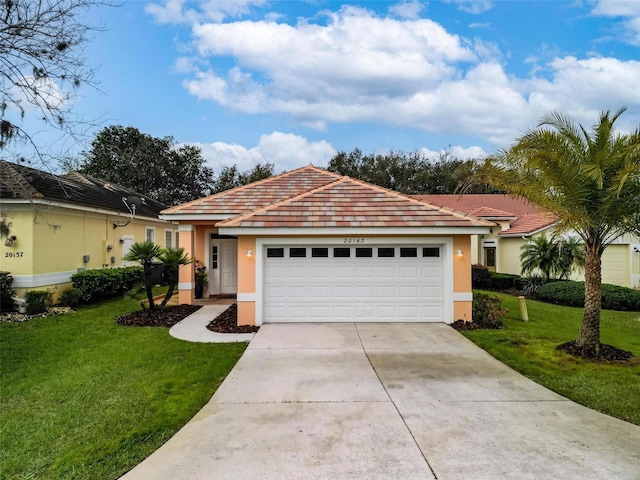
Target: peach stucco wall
462	276
186	276
246	279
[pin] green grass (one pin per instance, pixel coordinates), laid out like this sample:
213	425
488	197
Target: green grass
529	348
82	397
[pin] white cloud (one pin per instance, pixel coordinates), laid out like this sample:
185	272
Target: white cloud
359	67
457	151
407	9
472	6
629	10
285	150
176	11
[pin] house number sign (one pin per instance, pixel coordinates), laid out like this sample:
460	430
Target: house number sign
13	254
353	240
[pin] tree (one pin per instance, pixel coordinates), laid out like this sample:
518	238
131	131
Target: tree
589	179
156	167
41	64
412	174
230	177
145	253
555	257
172	258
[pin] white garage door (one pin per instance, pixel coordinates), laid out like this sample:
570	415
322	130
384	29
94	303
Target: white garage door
353	284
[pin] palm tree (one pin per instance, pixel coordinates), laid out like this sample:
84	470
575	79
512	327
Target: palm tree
540	254
555	257
589	179
145	253
172	258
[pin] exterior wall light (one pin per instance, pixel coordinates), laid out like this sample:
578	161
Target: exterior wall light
249	253
459	253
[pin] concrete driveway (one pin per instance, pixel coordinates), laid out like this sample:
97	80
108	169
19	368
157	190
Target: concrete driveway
388	401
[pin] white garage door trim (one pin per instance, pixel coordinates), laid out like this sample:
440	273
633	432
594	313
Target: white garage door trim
445	244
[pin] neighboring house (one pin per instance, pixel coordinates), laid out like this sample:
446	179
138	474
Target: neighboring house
310	245
65	223
517	222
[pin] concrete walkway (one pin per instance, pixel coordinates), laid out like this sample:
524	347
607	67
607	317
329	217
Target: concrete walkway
194	327
388	401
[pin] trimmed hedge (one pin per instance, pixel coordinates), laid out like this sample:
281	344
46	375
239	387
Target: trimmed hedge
480	277
106	283
38	301
503	281
571	294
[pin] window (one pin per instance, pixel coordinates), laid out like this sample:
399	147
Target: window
430	252
214	257
364	252
408	252
177	237
386	252
341	252
275	252
319	252
297	252
151	234
168	237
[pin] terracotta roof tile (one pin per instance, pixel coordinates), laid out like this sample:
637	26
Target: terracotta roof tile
258	194
526	217
351	203
530	223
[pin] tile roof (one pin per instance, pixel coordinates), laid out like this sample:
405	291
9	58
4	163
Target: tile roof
258	194
347	202
526	217
26	183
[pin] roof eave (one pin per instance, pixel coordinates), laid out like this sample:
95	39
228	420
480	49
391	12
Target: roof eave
186	217
527	234
351	231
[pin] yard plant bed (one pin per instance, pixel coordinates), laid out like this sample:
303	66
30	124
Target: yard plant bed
166	317
607	353
227	322
463	326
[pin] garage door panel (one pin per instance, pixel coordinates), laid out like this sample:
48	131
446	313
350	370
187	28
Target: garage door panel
361	289
408	292
386	291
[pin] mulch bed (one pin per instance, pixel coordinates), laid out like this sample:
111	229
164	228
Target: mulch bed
461	325
606	353
166	317
227	322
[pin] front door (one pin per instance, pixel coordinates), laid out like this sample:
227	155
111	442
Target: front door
490	258
228	267
223	266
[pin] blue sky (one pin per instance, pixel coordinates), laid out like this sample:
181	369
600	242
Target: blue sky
293	82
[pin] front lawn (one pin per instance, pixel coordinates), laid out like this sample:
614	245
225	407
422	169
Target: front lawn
529	348
82	397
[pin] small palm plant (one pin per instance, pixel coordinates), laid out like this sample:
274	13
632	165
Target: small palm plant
145	253
172	258
554	257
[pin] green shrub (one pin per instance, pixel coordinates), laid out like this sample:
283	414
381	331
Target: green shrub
71	297
487	310
571	294
503	281
480	277
106	283
6	292
38	301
